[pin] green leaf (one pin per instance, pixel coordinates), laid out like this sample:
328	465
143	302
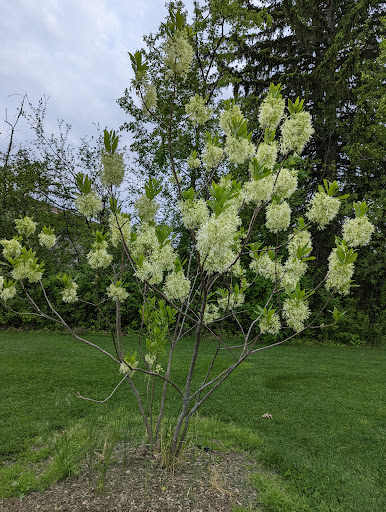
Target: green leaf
106	138
341	256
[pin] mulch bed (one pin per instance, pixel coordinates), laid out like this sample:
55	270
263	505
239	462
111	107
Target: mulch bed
203	481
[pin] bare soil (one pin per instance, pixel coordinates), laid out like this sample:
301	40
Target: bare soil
202	481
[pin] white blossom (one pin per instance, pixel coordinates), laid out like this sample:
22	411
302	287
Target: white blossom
293	270
267	154
25	226
271	112
117	292
113	170
270	326
266	267
193	212
323	209
69	294
296	132
47	240
7	293
146	208
211	313
286	183
88	204
211	156
299	239
226	117
214	240
12	248
339	275
149	98
296	312
193	162
177	286
197	111
358	231
239	150
25	269
278	216
178	53
258	191
119	227
99	258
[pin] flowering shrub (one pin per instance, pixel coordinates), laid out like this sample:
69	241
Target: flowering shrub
191	291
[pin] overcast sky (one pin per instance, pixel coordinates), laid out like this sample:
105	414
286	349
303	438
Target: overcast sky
75	53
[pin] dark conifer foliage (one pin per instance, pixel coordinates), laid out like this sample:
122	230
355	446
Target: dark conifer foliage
315	49
329	53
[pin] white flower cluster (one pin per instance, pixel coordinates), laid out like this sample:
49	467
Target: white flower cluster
215	238
146	241
194	213
293	270
149	98
164	257
211	156
323	209
147	272
197	111
271	112
239	150
12	248
88	204
278	216
8	292
69	294
157	260
299	239
25	226
288	274
178	53
117	292
258	191
113	169
127	368
26	269
146	208
151	360
177	286
286	183
339	275
232	301
237	270
193	162
296	132
296	312
266	267
211	313
227	116
270	326
98	257
358	231
267	154
47	240
119	223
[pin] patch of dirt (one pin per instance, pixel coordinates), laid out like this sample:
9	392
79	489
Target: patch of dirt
203	481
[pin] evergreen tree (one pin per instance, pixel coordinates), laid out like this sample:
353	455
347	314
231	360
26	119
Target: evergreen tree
314	49
322	49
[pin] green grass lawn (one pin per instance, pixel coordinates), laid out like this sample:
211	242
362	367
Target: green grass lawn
322	450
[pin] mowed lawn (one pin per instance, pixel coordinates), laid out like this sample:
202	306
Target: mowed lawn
323	448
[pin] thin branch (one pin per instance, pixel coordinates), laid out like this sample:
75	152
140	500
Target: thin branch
78	395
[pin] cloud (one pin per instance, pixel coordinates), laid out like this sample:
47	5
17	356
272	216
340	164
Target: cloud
74	52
